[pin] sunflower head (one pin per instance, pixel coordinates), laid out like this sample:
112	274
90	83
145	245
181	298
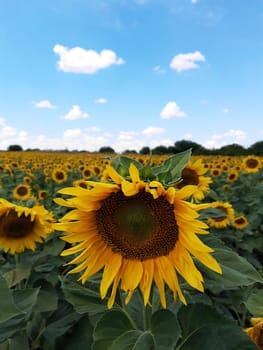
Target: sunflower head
138	233
22	192
225	214
59	175
251	164
21	227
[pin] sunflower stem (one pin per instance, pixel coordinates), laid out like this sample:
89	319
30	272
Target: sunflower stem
147	311
125	311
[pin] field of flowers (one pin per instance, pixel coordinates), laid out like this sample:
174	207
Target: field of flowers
130	252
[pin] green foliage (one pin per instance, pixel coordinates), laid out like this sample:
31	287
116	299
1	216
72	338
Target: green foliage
44	308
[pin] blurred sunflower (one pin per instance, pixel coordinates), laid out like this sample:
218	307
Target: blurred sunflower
225	217
22	192
240	222
138	233
232	176
59	175
256	331
42	194
251	164
192	174
81	183
21	227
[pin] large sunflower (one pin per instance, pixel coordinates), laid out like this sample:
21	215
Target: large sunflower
22	227
138	233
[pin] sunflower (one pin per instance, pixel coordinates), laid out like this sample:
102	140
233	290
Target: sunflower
22	227
81	183
42	194
256	331
138	233
251	164
224	218
240	222
232	176
59	175
22	192
192	174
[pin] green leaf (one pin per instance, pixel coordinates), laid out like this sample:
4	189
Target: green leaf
206	329
8	308
165	328
79	337
237	271
13	277
112	324
82	298
171	169
61	321
254	303
25	299
47	298
14	343
132	340
218	338
122	163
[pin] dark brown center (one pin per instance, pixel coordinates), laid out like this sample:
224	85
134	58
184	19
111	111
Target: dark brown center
138	227
14	226
189	177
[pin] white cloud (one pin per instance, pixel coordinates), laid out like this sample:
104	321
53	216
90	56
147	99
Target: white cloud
101	100
75	113
194	1
151	130
227	138
159	70
43	104
186	61
79	60
225	110
172	110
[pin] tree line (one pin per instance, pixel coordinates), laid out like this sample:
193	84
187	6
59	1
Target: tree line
233	149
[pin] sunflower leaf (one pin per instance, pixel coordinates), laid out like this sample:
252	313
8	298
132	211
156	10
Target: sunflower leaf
254	303
122	163
8	308
171	169
165	328
207	329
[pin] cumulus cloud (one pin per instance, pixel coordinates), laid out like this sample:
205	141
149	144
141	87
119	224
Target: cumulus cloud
43	104
186	61
75	113
227	138
101	100
151	130
226	110
194	1
79	60
172	110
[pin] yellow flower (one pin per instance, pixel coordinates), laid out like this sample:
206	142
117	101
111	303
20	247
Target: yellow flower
225	219
59	175
240	222
22	192
138	233
251	164
256	331
193	174
22	227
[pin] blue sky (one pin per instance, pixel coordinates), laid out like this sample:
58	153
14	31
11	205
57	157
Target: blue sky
82	74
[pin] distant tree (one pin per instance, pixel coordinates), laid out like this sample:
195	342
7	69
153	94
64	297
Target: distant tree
16	148
106	149
159	150
145	150
129	151
256	149
232	150
183	145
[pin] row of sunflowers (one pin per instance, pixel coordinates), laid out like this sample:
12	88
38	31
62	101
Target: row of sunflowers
130	252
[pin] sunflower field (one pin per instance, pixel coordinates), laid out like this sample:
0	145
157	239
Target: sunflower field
137	252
